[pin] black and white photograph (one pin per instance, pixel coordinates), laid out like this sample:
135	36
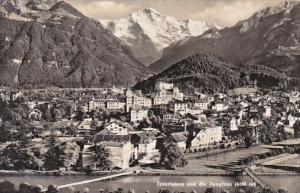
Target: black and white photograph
149	96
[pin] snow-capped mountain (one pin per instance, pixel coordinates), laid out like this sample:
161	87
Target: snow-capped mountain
147	32
270	37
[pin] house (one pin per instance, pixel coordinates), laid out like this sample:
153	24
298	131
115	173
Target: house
294	97
119	153
169	117
117	127
96	104
163	86
268	112
167	90
211	99
253	108
180	138
118	90
207	136
144	144
138	114
180	107
254	121
86	124
290	107
136	98
88	157
194	111
202	118
177	94
220	106
115	105
202	104
119	147
233	124
161	100
292	120
109	104
35	114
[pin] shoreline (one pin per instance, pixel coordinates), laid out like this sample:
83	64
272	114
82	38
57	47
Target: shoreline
141	173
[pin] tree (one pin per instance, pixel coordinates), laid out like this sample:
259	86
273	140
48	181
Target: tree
47	115
61	154
52	189
297	129
209	190
69	111
248	139
102	154
80	114
7	187
171	155
55	114
7	131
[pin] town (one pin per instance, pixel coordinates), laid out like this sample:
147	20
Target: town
64	131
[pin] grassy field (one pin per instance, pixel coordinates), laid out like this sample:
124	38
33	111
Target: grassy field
219	163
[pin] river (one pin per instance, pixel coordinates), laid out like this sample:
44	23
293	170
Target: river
143	183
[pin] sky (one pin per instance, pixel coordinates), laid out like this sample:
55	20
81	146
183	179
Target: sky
222	12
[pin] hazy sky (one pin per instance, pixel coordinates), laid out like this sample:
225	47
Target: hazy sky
222	12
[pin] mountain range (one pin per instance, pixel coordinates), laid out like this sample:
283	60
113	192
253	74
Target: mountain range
147	32
270	37
50	43
46	42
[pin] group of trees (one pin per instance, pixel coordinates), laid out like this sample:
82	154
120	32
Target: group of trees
270	132
171	155
61	154
19	156
23	155
152	120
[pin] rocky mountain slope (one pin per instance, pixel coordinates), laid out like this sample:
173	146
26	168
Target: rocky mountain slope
148	32
210	73
270	37
45	42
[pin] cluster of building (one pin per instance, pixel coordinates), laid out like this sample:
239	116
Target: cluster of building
196	122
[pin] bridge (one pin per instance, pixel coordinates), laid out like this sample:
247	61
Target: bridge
256	179
93	180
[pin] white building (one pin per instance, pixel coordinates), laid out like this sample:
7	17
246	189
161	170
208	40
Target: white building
220	107
163	86
207	136
119	153
136	99
161	100
180	108
115	105
97	104
292	120
118	127
167	90
268	112
201	104
138	114
233	124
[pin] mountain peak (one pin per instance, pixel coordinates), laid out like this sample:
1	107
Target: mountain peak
67	7
148	13
285	6
151	10
147	32
38	10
